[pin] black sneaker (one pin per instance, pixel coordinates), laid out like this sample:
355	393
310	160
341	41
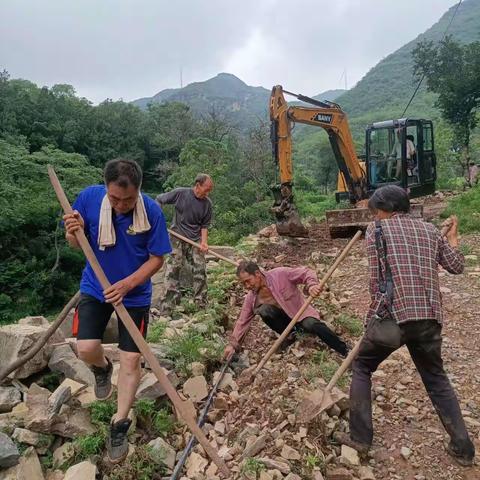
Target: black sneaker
117	442
460	458
103	380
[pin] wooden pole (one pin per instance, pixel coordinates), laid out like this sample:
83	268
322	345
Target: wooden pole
72	303
197	245
294	320
135	333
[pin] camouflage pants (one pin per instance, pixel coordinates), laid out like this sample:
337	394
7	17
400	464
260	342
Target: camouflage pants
182	254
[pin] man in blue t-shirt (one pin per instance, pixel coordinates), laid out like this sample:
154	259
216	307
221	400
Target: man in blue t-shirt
128	234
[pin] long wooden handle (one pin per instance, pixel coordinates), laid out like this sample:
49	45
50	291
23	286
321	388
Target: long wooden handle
343	367
294	320
197	245
135	333
72	303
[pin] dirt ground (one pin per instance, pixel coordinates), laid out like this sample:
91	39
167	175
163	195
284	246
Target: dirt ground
403	414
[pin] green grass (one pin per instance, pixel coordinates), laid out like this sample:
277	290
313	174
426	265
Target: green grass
163	422
159	420
313	205
50	381
252	466
88	445
139	466
156	332
47	460
323	366
101	412
467	208
465	249
192	346
351	325
312	461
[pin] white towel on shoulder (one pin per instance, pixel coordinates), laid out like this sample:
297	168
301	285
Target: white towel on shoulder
106	230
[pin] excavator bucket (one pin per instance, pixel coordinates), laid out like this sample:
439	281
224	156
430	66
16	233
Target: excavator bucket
287	218
345	222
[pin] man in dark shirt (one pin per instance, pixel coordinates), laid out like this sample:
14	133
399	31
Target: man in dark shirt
193	214
414	249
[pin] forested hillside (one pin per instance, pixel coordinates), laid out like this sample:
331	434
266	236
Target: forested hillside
40	125
221	129
383	93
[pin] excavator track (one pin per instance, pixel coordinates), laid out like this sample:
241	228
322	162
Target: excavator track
343	223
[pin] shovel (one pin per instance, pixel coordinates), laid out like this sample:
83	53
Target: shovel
322	399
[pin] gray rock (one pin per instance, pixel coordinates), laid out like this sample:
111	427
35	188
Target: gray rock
366	473
254	448
349	456
405	452
160	353
16	340
63	454
60	396
289	453
283	467
196	465
63	360
163	451
9	454
69	423
227	382
40	441
81	471
29	467
150	387
9	397
196	388
197	369
35	321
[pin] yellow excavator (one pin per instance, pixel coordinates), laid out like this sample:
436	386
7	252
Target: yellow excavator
399	152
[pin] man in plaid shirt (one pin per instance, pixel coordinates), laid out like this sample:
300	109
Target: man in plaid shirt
414	249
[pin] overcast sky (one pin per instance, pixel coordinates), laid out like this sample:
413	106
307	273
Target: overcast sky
134	48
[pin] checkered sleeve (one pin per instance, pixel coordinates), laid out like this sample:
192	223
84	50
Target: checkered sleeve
451	259
372	259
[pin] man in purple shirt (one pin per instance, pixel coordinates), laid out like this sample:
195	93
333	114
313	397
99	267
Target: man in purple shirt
274	295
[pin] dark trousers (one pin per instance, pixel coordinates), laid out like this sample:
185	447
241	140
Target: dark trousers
277	320
423	340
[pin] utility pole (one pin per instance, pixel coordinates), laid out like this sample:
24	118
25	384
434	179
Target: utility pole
181	77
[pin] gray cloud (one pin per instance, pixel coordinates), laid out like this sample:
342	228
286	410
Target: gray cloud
133	48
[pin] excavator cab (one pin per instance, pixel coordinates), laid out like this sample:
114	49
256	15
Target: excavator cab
401	152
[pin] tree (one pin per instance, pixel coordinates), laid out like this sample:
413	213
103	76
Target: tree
38	272
259	164
169	127
452	71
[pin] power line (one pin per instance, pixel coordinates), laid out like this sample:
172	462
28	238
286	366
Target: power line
423	76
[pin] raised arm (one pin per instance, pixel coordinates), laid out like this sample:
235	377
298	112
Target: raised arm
449	257
168	198
241	325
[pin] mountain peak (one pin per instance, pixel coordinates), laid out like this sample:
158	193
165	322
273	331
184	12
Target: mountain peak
227	80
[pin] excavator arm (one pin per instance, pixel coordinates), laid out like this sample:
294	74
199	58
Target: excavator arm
333	120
